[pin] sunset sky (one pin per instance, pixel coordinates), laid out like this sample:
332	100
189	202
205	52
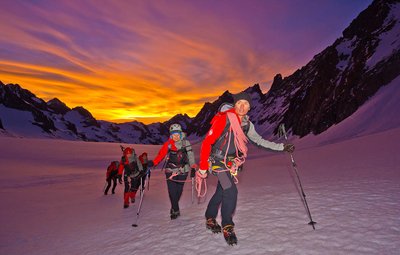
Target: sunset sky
149	60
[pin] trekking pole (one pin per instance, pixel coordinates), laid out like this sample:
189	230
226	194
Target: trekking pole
104	187
141	185
148	178
282	130
140	204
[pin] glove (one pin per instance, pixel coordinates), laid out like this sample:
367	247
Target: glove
288	147
150	163
201	174
193	173
119	179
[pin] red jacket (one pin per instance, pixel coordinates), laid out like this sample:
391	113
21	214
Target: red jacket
217	127
164	150
111	168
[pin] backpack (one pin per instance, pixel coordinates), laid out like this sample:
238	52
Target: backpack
224	150
131	168
142	159
219	147
112	169
224	107
179	158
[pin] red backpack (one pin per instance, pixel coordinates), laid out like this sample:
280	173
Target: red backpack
144	160
112	169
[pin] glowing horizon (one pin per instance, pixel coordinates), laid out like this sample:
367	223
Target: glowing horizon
151	60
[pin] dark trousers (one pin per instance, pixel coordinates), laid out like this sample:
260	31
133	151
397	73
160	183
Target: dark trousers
227	198
175	189
114	180
131	184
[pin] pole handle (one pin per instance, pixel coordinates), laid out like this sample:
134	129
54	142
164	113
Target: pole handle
282	131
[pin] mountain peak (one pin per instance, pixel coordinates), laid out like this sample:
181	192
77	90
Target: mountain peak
58	106
82	111
182	119
254	89
369	20
179	116
276	84
89	119
14	87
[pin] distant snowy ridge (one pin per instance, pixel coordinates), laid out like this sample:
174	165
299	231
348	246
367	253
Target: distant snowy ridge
22	114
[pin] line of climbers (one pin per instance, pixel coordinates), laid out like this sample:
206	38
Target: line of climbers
223	152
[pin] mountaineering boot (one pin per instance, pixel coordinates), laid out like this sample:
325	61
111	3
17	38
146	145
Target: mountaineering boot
229	235
212	225
174	214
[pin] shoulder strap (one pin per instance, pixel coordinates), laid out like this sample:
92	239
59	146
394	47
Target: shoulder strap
224	132
185	145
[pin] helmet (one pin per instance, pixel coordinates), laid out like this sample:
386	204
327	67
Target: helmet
174	128
128	150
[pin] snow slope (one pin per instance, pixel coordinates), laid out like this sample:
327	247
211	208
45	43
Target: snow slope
17	121
52	202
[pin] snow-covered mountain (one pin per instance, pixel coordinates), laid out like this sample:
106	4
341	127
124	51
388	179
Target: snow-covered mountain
336	82
326	91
